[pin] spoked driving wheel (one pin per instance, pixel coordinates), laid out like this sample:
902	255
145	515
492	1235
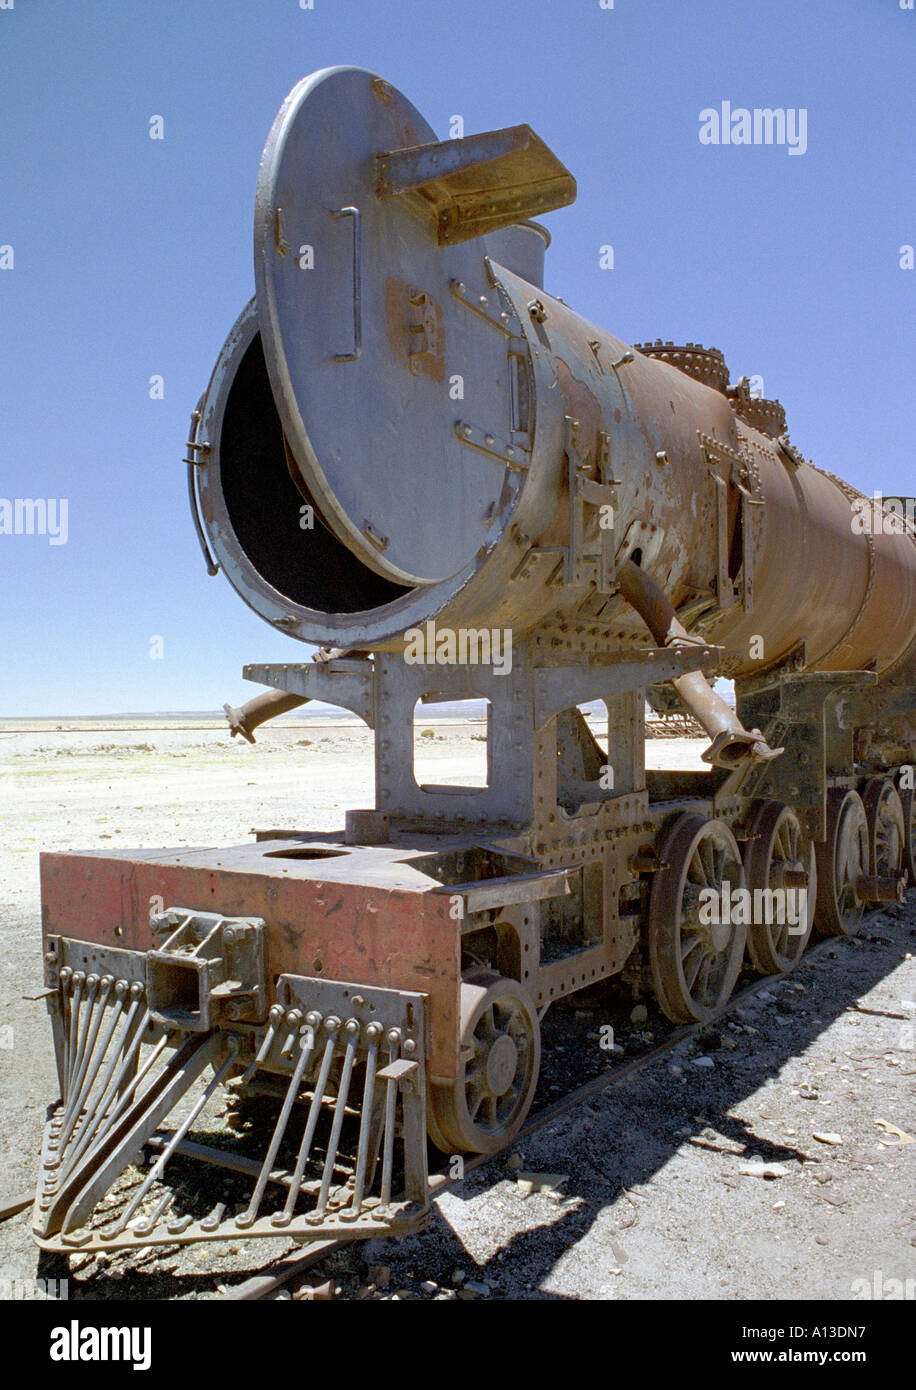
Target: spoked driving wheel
781	872
695	945
886	828
842	860
500	1058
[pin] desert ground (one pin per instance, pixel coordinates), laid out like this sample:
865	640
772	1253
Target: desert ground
771	1157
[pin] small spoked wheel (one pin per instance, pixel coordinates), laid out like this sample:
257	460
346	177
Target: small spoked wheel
886	828
696	945
842	859
781	874
499	1062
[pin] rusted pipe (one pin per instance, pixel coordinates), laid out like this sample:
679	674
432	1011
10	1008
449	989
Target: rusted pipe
731	742
250	716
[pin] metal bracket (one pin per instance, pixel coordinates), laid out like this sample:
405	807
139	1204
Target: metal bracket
558	687
585	492
488	443
208	969
730	469
422	330
341	681
801	711
488	307
498	893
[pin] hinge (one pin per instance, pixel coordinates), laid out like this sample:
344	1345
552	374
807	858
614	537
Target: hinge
512	454
727	469
581	564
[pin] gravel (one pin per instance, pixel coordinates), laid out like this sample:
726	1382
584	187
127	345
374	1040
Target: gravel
712	1173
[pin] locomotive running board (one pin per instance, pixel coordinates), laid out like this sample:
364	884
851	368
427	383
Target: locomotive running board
342	1066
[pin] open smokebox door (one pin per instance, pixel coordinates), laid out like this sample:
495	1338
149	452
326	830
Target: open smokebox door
368	434
371	264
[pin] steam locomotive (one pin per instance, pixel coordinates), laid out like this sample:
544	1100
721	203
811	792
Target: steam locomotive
414	457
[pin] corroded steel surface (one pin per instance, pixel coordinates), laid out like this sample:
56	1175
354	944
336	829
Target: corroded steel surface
366	922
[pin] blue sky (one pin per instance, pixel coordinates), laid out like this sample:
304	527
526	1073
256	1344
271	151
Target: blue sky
132	258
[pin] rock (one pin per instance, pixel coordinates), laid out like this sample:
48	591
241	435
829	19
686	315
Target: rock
515	1161
758	1169
314	1289
379	1275
477	1288
458	1276
826	1137
639	1014
702	1061
900	1135
540	1182
428	1286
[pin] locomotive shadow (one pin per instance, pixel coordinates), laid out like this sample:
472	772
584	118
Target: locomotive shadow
635	1130
632	1133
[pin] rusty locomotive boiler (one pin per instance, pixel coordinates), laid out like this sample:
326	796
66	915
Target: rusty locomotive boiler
413	456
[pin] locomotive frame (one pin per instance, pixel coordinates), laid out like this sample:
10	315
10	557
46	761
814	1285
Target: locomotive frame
436	938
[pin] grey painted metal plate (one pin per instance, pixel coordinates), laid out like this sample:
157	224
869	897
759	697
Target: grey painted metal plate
364	336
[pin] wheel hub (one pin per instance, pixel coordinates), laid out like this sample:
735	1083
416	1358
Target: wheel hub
502	1061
